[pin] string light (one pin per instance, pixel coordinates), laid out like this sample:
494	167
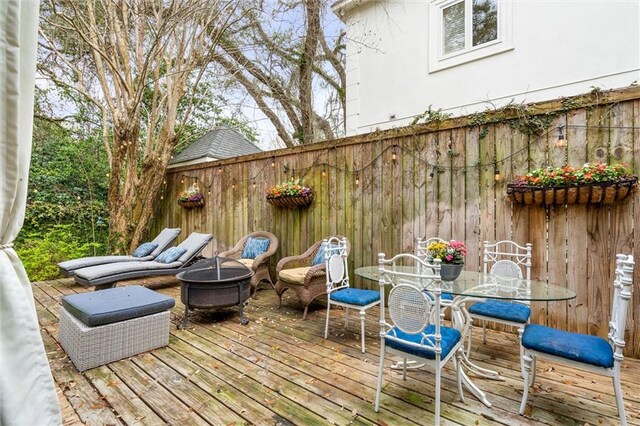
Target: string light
561	142
182	180
397	150
233	185
496	173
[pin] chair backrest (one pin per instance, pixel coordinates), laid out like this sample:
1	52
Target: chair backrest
194	244
336	252
164	238
411	307
622	287
507	258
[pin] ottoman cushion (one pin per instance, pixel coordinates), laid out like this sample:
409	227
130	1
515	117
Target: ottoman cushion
116	304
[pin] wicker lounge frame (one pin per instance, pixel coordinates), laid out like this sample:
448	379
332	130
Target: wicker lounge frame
106	276
260	266
315	282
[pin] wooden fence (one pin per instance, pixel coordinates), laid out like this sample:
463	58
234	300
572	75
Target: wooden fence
383	190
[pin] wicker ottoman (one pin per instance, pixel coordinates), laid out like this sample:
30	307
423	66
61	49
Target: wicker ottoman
104	326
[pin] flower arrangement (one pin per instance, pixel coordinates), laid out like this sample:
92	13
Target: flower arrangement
592	183
192	197
290	194
452	252
290	188
545	177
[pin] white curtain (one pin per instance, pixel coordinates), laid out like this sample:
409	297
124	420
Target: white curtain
27	393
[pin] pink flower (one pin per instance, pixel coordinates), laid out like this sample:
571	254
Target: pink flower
449	257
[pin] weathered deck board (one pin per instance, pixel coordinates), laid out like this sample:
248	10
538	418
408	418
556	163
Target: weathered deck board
283	371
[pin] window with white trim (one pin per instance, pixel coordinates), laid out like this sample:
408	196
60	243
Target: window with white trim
461	31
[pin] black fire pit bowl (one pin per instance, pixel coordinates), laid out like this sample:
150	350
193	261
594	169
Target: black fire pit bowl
215	283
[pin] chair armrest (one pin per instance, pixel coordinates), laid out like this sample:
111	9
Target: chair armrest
319	270
301	260
287	261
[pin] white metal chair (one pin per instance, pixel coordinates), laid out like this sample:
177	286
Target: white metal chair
591	353
409	332
338	291
507	259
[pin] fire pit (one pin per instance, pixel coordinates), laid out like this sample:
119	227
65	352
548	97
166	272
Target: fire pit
215	283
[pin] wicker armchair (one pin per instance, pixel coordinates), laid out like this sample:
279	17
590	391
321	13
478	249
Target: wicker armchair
259	265
298	273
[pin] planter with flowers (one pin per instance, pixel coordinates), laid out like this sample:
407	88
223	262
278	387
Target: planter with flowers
290	194
594	183
191	198
451	255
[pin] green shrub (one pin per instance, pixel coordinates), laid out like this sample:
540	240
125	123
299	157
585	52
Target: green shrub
40	252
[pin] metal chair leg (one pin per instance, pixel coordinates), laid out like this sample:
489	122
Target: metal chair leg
362	316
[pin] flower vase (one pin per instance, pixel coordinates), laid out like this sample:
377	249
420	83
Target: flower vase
449	272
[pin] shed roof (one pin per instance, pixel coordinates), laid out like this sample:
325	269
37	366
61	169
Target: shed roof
218	144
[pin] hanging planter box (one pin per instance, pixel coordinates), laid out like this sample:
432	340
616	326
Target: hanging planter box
291	202
191	204
593	193
290	194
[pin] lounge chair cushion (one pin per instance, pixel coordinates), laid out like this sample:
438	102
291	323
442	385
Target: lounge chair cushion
450	336
507	311
355	296
171	255
254	247
70	266
144	249
162	241
584	348
116	304
99	271
294	275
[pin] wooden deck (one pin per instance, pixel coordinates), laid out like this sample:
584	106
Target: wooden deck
279	370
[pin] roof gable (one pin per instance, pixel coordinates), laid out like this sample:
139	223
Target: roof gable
217	144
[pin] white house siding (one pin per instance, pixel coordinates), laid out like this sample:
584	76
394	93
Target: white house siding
560	48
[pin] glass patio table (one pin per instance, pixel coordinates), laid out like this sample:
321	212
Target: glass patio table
474	286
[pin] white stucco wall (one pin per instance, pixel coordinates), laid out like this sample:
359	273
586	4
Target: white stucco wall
560	48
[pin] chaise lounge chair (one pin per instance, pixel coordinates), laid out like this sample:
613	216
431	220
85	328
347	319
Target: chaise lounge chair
142	253
170	262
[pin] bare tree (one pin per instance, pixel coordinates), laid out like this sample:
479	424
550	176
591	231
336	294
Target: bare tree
281	56
135	65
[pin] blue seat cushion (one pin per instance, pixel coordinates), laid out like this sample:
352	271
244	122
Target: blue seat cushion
450	336
356	296
116	304
443	296
502	310
171	255
584	348
144	249
254	247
